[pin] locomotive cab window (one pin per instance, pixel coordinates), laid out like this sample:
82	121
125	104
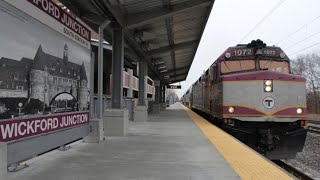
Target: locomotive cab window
272	65
237	66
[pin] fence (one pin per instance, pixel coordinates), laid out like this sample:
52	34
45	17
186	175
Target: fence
128	103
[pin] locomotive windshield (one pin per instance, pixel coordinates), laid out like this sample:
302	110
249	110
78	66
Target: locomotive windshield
244	58
234	66
271	65
237	66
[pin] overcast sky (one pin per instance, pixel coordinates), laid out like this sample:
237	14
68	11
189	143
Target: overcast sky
293	26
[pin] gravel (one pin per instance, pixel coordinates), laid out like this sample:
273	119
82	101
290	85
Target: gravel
309	159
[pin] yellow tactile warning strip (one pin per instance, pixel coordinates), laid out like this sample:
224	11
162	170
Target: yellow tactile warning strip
245	161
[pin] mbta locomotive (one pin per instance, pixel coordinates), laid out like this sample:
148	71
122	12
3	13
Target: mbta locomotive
251	93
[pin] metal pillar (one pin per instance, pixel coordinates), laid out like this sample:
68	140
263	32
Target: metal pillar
160	93
141	97
117	67
164	93
130	90
100	68
157	85
92	85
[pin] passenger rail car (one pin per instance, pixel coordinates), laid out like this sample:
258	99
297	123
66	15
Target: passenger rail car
251	93
187	98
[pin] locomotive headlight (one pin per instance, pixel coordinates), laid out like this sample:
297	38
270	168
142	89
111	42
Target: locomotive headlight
299	110
268	82
268	85
268	88
231	109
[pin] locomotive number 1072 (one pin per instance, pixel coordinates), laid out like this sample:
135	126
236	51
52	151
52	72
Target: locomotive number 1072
242	52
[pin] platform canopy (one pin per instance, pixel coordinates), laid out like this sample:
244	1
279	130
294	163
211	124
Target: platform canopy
164	33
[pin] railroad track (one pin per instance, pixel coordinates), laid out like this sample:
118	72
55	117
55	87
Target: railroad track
313	129
314	121
292	170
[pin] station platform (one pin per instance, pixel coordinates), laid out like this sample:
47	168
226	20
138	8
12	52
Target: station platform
175	144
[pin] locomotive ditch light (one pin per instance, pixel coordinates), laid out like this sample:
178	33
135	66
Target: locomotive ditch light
299	111
231	109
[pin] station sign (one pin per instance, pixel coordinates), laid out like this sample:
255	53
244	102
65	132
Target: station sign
173	87
45	60
18	128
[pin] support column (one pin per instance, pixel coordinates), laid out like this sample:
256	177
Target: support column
130	90
116	119
142	87
163	105
96	133
141	111
161	96
92	103
96	125
100	69
3	160
156	86
156	105
160	93
117	67
164	93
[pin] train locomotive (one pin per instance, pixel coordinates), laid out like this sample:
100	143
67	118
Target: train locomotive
251	93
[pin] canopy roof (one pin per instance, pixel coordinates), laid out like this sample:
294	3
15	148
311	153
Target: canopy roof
165	33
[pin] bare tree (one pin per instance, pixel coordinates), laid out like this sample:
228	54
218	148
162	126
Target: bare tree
308	66
172	97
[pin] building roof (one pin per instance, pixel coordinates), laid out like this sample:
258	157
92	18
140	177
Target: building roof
58	66
166	33
12	69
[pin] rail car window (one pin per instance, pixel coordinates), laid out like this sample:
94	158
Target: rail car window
279	66
236	66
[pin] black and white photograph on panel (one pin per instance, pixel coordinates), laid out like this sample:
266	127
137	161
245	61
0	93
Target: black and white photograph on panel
41	70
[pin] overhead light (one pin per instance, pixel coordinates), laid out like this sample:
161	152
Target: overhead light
159	62
164	70
162	67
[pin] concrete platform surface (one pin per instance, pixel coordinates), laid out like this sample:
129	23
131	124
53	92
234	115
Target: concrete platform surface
168	146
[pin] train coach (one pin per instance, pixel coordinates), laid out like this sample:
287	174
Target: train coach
251	93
